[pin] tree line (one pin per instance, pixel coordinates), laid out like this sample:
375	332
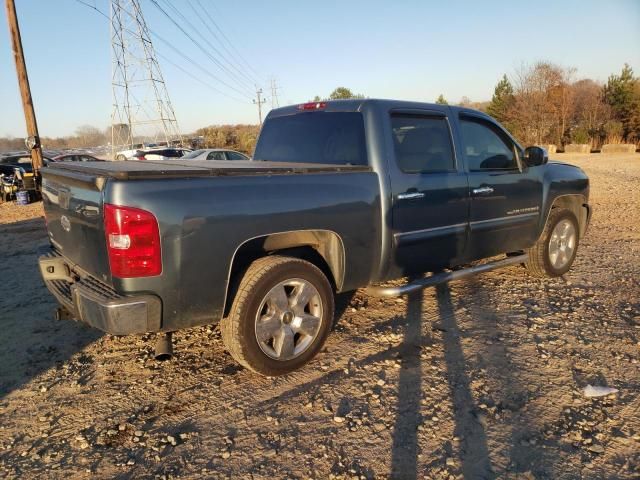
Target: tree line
84	136
539	104
545	104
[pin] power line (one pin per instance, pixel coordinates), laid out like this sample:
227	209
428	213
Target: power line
196	65
223	56
93	7
227	39
241	81
255	76
186	72
196	43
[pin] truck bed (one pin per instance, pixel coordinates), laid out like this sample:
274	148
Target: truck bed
133	170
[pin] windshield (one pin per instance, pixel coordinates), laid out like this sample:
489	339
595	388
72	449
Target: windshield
314	137
193	154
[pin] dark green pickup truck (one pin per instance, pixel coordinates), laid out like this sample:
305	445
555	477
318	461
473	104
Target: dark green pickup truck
340	195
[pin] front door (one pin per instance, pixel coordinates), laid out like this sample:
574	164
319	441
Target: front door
505	195
430	193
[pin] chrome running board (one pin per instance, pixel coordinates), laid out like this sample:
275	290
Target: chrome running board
443	277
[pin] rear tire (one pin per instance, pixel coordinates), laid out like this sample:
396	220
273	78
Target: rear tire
281	315
554	252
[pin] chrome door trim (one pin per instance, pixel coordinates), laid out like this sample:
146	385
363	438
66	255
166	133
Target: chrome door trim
508	221
417	236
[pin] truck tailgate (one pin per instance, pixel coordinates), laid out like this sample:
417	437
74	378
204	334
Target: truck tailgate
73	211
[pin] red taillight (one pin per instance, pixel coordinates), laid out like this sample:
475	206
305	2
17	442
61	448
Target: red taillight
140	157
312	106
133	242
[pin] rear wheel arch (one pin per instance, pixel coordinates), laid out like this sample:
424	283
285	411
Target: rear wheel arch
322	248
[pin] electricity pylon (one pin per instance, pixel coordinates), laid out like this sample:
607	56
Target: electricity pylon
142	111
274	94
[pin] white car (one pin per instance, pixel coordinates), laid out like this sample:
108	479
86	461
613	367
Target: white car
126	154
160	153
215	154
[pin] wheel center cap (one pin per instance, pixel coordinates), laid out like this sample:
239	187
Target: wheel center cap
287	318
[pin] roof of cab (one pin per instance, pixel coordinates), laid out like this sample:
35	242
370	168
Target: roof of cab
357	104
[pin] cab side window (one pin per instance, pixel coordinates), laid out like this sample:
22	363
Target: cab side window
422	143
485	147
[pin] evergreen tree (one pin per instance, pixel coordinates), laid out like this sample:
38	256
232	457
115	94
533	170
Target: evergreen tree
622	94
343	93
502	100
340	93
441	100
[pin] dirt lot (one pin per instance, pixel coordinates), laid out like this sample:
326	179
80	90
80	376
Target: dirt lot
479	379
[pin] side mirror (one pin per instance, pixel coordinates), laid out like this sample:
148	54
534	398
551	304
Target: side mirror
534	156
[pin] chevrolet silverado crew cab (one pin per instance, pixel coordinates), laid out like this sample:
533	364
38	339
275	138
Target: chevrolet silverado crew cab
340	195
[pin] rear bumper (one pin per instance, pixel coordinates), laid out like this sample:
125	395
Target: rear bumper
97	304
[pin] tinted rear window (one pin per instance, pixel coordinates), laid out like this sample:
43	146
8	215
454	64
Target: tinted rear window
314	137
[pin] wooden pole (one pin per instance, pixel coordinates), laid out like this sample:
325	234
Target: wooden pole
23	82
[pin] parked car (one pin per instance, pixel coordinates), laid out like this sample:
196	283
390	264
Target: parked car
9	163
216	154
16	174
340	195
76	157
160	154
126	154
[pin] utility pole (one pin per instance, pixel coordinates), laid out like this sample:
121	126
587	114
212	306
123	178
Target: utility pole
259	103
33	140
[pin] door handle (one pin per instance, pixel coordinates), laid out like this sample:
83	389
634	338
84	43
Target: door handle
481	190
410	195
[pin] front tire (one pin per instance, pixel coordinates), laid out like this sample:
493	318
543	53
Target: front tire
281	315
554	252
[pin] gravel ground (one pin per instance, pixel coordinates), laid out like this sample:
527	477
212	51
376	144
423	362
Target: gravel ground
482	378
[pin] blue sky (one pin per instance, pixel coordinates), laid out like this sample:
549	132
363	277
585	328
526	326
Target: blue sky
385	49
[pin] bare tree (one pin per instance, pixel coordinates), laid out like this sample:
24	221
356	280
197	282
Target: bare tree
465	102
89	136
562	98
543	103
590	113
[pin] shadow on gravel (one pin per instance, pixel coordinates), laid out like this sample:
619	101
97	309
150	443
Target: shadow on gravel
474	453
31	341
529	451
404	453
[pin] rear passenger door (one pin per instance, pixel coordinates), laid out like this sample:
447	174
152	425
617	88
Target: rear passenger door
430	192
505	195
